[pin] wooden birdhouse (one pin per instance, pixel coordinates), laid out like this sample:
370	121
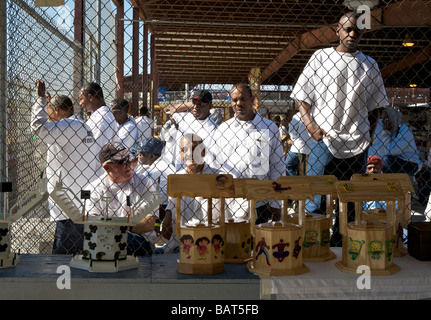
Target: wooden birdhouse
316	242
202	245
277	247
366	242
26	203
402	211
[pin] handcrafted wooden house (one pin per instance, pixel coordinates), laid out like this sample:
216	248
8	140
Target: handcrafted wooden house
202	246
316	242
277	248
105	238
366	242
29	201
402	212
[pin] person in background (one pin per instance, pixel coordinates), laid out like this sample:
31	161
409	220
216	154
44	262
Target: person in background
402	154
339	93
145	125
69	158
300	143
118	183
100	118
127	133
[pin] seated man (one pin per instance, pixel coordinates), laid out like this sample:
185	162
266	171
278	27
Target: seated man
194	210
118	184
374	166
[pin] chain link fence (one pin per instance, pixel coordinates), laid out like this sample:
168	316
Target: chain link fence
160	74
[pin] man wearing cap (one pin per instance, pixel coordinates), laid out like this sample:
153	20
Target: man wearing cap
113	188
374	166
195	117
152	165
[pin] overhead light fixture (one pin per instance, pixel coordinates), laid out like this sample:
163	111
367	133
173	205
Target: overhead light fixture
413	85
408	42
354	4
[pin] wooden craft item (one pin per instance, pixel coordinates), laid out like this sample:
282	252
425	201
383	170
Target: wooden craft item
316	242
403	213
277	248
202	247
365	242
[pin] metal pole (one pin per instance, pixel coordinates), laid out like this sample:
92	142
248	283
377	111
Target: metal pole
3	101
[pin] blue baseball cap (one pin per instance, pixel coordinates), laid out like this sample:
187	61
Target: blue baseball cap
152	145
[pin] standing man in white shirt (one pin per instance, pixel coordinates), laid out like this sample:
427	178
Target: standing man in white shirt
145	125
195	117
101	120
128	133
69	160
249	146
339	92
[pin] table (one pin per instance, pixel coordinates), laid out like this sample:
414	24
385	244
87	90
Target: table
326	281
156	278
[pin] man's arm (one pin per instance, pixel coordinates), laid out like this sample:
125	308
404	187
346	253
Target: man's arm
145	225
313	129
373	117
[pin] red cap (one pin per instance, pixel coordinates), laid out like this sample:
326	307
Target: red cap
374	160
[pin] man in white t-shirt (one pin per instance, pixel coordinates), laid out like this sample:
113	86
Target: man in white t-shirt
101	120
145	125
339	92
195	117
249	146
69	159
118	190
127	133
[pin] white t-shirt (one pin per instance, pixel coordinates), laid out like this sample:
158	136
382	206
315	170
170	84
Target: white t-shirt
159	170
105	193
299	135
249	149
342	88
145	126
69	155
127	134
187	123
104	127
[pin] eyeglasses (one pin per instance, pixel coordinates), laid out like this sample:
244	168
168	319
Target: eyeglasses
124	161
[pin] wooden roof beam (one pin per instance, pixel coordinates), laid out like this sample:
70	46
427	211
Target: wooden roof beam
407	62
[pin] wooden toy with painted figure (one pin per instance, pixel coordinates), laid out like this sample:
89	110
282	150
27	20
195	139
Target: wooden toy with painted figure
202	244
315	245
403	213
368	242
277	249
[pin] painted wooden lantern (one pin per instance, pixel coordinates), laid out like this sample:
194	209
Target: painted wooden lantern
202	245
277	247
105	238
26	203
402	212
238	235
316	242
365	242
